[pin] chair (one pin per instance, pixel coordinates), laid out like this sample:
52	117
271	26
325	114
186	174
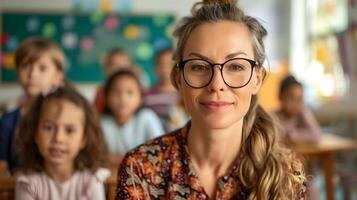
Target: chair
7	187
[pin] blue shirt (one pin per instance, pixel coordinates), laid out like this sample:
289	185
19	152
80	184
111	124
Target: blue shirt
8	125
141	127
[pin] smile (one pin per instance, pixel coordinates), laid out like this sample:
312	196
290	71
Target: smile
216	105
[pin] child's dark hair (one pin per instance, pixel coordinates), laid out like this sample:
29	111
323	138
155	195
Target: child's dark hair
161	52
109	84
112	52
286	83
92	156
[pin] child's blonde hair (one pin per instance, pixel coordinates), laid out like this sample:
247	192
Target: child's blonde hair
92	156
31	49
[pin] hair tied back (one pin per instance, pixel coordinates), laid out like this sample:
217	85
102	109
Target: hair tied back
234	2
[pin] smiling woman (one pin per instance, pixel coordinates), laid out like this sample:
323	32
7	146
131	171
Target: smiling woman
230	149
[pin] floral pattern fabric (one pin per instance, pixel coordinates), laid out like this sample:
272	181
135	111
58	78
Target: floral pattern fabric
162	169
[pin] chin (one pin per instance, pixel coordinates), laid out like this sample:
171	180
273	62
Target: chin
215	122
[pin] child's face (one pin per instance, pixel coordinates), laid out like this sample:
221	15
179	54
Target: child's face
124	97
292	100
60	134
164	65
40	76
118	62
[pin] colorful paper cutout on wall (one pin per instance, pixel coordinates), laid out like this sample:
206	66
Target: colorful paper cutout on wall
111	22
160	20
106	6
12	44
49	30
33	24
68	22
9	61
87	43
4	38
97	17
69	40
131	32
144	51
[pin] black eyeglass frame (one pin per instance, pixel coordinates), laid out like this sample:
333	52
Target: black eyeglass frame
181	66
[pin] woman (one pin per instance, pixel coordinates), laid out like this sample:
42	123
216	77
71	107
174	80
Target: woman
230	148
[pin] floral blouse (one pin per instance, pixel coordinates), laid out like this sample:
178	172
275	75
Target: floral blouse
162	169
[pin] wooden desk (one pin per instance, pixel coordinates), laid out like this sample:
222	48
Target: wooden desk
325	151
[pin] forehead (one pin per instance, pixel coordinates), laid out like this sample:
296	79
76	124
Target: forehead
58	108
218	39
125	81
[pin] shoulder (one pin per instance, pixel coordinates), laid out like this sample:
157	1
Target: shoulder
11	117
146	112
100	175
32	182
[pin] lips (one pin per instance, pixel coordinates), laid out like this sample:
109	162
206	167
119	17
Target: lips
56	152
216	105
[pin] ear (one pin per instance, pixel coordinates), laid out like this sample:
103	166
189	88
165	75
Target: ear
258	78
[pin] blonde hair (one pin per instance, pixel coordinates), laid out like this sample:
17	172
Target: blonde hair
31	49
265	167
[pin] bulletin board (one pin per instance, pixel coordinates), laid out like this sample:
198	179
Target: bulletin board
85	38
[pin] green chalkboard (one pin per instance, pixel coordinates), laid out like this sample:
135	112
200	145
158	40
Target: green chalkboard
85	38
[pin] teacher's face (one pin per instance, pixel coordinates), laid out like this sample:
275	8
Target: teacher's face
218	106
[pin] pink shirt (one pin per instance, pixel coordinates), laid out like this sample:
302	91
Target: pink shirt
82	185
302	129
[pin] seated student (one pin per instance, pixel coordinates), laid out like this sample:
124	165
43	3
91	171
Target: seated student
117	59
61	149
39	67
125	123
163	95
297	121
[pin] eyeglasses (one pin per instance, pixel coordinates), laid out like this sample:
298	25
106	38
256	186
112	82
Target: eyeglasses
236	72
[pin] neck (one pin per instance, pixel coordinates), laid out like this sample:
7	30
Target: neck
121	120
59	173
215	149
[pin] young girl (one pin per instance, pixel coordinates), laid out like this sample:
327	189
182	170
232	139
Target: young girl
40	66
117	59
61	149
298	123
125	123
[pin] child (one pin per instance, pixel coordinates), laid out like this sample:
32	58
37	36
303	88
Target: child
40	66
163	95
298	123
116	59
125	123
61	149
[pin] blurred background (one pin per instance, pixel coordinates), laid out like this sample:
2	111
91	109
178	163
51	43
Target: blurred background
314	40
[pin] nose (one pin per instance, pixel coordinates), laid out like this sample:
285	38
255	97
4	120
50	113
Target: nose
32	72
217	83
58	136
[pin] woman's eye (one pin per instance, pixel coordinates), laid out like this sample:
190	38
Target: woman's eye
199	67
236	67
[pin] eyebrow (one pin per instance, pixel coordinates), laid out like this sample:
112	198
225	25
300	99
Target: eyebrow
229	56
